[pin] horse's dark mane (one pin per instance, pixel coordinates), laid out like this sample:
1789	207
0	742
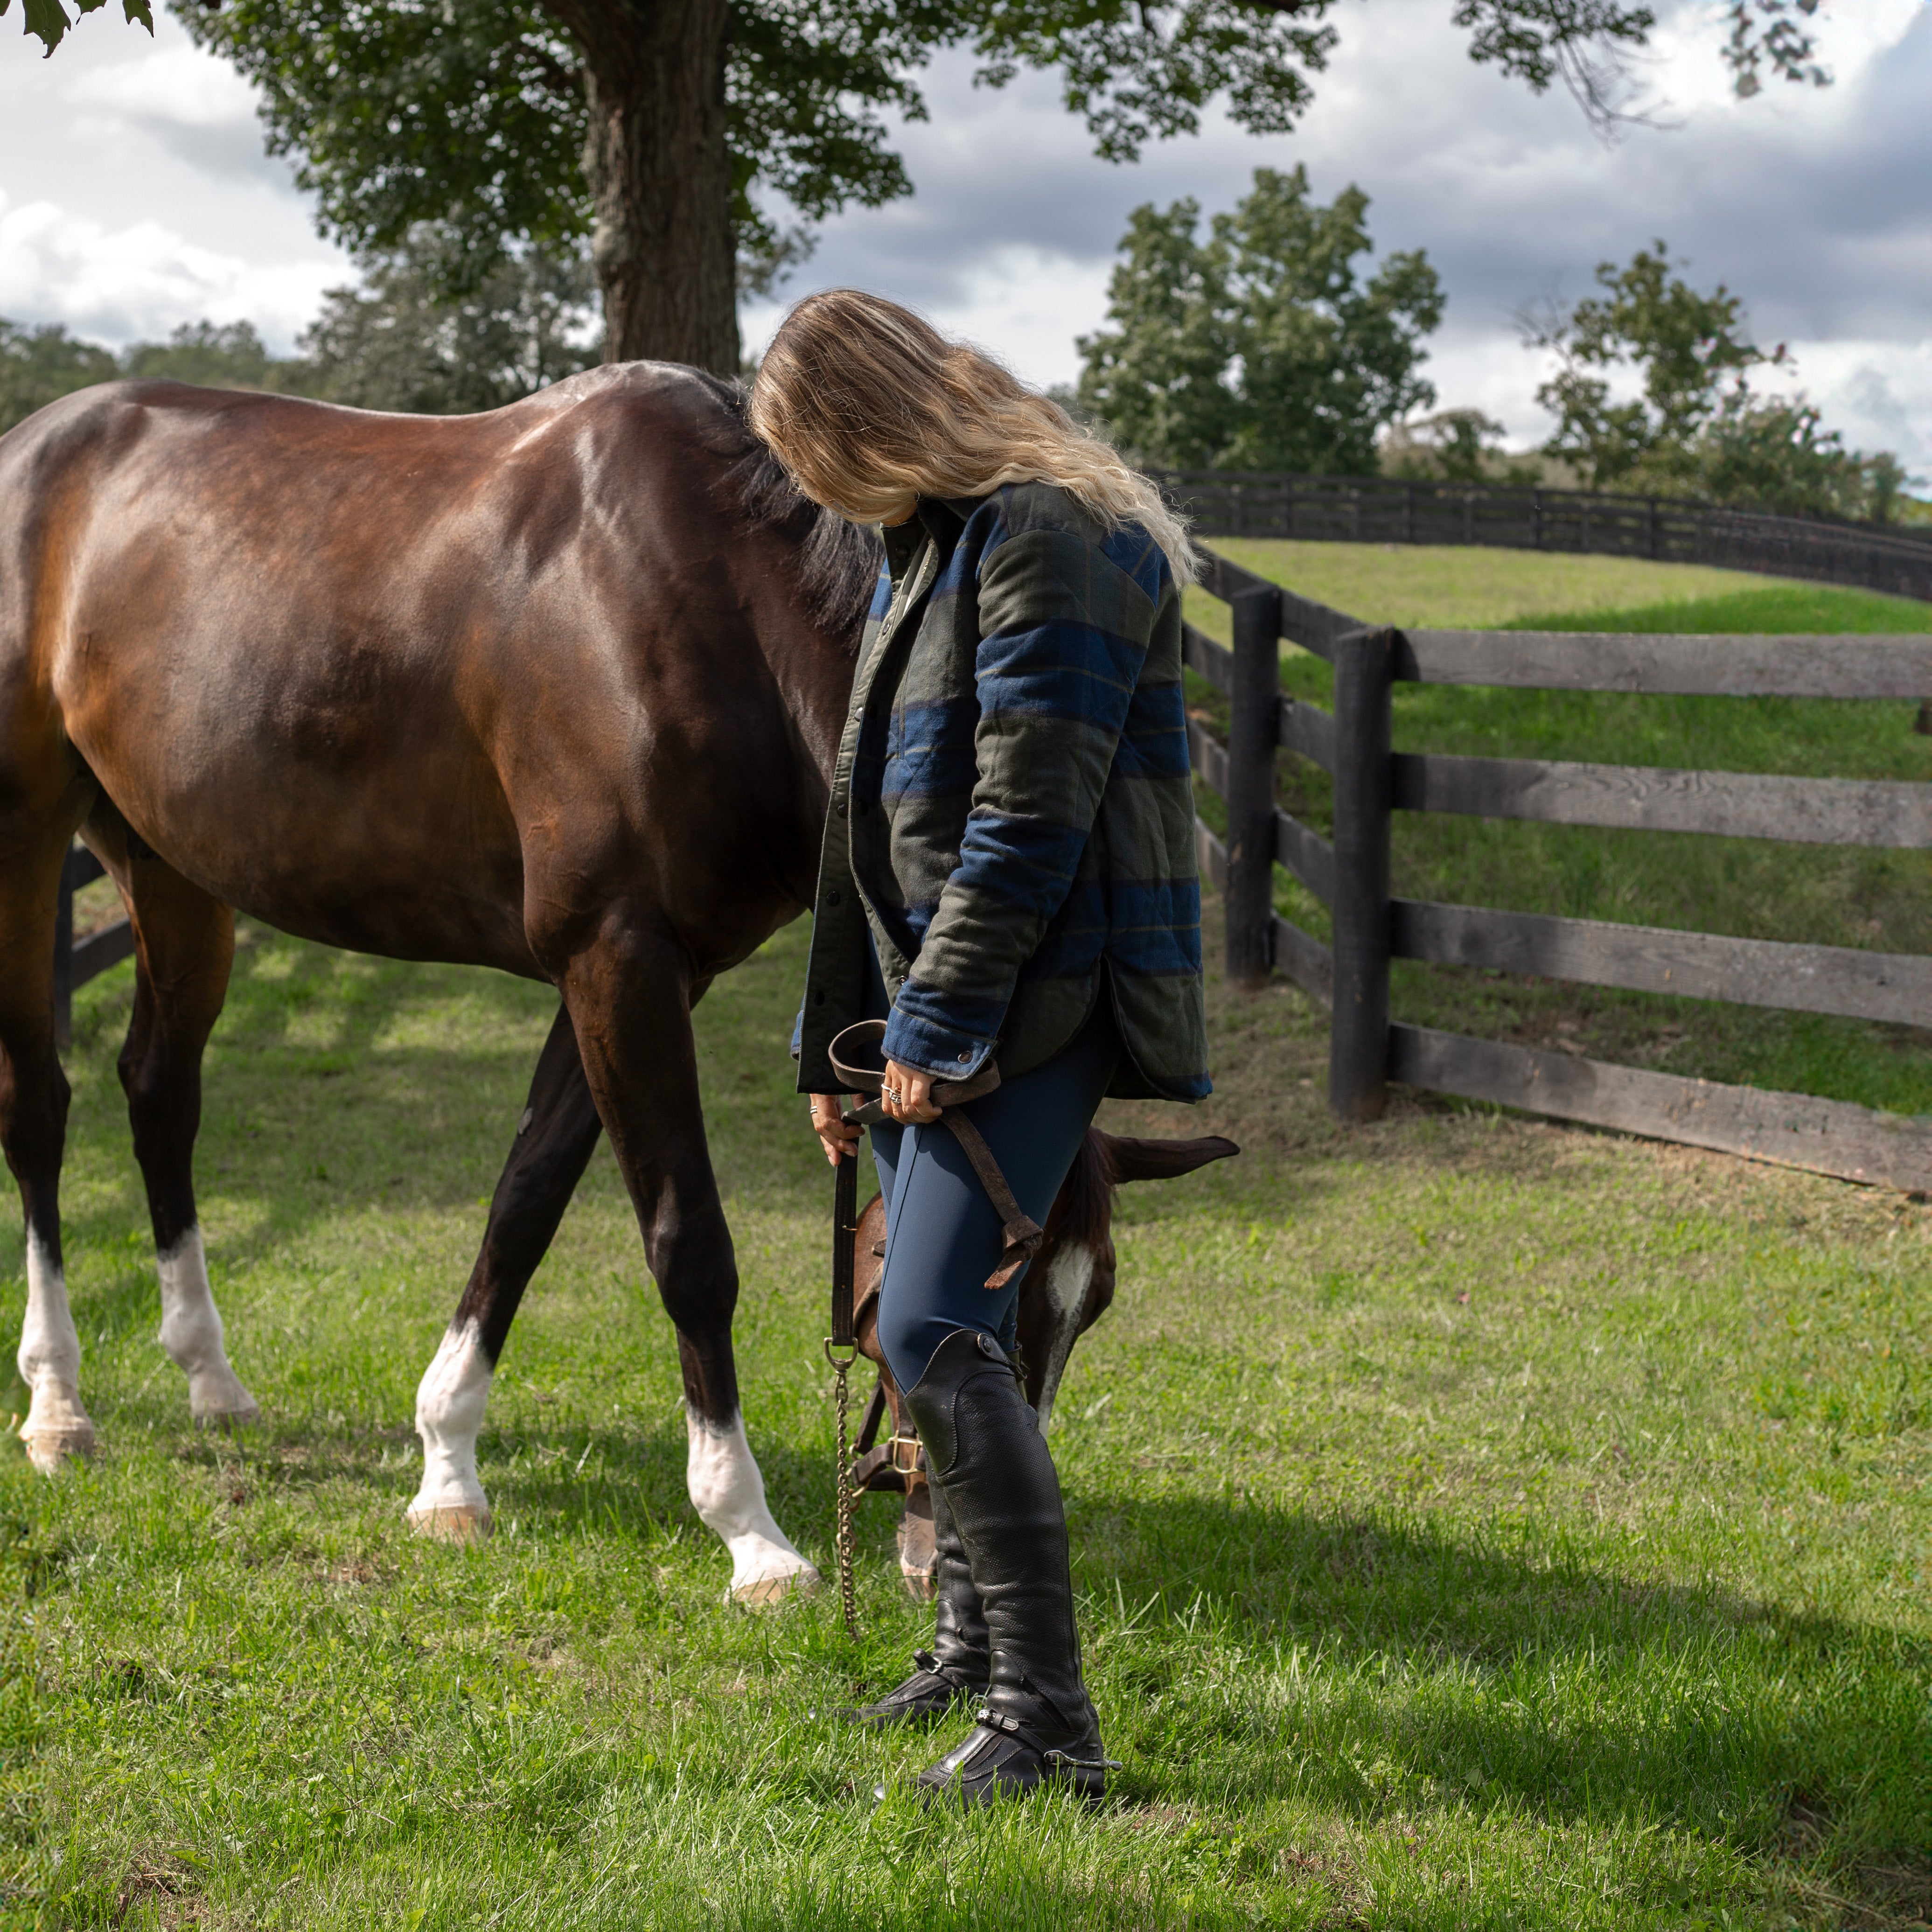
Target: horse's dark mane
837	562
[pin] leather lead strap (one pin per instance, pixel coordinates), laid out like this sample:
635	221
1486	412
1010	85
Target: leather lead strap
844	1250
1021	1235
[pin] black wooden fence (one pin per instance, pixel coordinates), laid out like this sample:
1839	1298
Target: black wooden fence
76	962
1350	874
1384	509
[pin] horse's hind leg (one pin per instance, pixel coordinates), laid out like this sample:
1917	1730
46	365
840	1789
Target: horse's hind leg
184	944
629	999
555	1139
33	1132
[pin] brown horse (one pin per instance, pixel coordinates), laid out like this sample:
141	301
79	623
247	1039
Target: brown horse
556	690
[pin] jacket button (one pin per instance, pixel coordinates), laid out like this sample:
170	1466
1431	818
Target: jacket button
965	1056
840	808
831	898
818	999
865	806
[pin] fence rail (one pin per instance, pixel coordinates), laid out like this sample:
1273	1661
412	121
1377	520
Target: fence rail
1385	509
76	962
1350	873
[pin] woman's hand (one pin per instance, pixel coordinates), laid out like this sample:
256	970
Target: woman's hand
828	1123
907	1096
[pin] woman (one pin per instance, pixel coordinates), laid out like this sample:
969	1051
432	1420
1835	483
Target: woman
1008	874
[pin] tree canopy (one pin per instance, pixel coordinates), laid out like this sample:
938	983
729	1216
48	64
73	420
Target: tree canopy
677	134
1261	347
1653	393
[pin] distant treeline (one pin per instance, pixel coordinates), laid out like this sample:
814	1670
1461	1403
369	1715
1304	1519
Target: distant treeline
1260	344
398	342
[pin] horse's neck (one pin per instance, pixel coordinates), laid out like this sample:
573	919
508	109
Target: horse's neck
816	681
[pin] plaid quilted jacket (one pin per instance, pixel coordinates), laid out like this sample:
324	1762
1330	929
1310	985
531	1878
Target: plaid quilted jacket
1011	810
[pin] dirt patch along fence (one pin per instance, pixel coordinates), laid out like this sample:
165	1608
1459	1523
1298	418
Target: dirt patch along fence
1351	873
1396	510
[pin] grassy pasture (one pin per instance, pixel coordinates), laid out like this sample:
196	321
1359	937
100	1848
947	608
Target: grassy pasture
1479	1524
1880	900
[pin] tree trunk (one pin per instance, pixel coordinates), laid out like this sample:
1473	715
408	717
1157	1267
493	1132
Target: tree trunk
660	176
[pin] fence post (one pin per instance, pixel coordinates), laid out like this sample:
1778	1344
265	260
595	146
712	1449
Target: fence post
1253	736
64	958
1358	1033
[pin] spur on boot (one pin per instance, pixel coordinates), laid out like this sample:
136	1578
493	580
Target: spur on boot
954	1671
1037	1725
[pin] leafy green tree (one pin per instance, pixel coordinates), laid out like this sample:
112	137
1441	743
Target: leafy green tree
1686	348
662	129
38	365
1461	445
666	132
218	356
1261	347
50	20
400	343
1696	426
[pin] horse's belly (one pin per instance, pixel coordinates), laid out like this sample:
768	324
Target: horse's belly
386	833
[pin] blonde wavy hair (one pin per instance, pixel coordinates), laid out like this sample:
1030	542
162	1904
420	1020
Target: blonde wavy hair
871	408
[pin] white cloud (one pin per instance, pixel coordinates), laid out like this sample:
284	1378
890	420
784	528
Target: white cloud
179	83
140	281
1808	201
135	193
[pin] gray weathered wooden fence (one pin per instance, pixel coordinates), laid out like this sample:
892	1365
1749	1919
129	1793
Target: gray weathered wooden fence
1390	509
1350	874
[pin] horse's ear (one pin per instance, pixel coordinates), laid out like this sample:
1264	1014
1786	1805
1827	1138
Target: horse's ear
1131	1159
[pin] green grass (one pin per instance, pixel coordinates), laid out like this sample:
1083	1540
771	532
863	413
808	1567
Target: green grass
1460	586
1771	608
1478	1525
1876	900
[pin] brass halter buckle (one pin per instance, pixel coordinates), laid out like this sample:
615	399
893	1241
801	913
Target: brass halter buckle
904	1455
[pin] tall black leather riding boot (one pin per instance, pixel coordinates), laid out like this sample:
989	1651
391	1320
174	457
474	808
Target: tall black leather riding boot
954	1668
983	1442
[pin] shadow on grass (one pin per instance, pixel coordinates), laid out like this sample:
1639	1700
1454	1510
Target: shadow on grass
1383	1668
1388	1665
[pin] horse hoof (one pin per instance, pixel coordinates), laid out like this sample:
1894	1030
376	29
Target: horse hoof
49	1450
761	1593
462	1523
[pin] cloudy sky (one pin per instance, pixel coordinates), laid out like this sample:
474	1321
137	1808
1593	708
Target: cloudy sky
134	194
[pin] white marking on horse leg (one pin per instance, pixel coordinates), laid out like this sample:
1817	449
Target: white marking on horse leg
192	1334
728	1493
1068	1276
450	1402
56	1426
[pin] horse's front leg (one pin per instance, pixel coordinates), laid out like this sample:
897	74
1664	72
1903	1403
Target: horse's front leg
630	997
556	1136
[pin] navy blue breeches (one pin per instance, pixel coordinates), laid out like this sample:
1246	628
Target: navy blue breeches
943	1237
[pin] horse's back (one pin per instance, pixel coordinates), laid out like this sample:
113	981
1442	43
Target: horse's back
288	639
